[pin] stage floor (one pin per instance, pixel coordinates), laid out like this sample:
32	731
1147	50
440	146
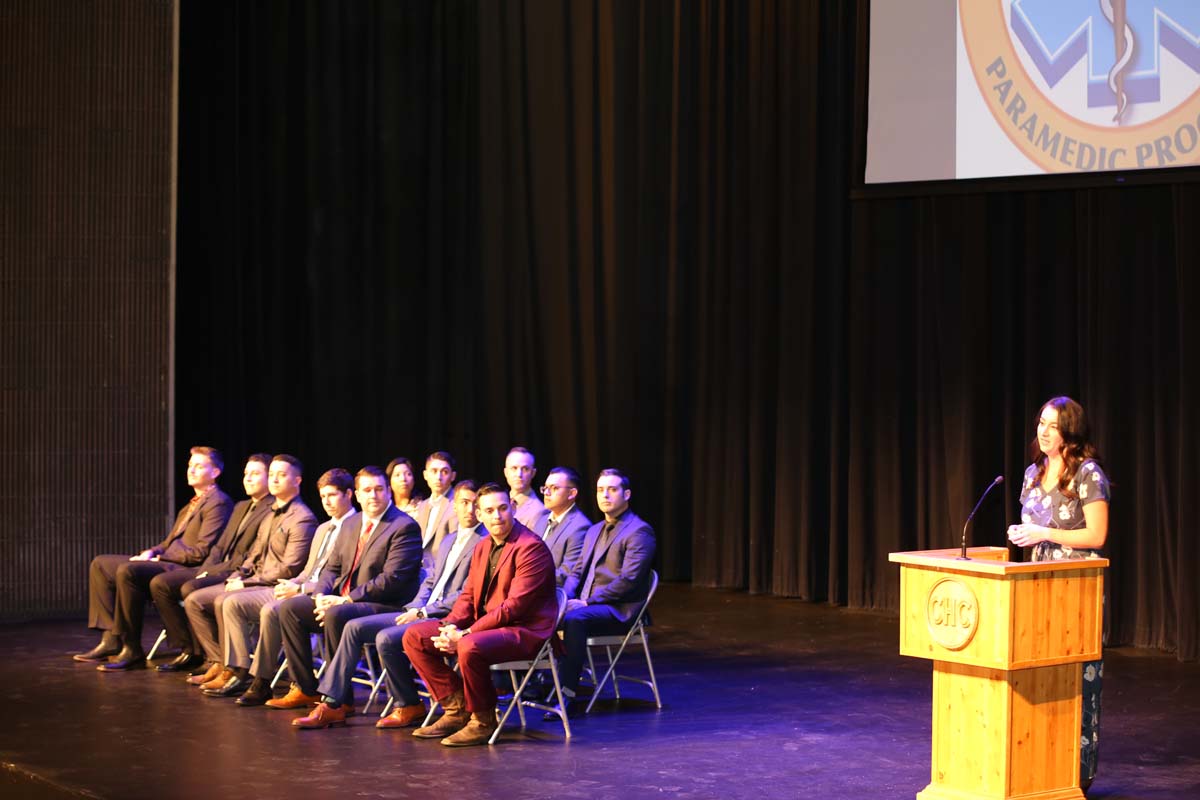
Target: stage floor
763	698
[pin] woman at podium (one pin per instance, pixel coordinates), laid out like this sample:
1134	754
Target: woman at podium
1064	514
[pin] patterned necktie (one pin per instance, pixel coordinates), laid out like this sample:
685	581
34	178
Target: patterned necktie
550	526
362	540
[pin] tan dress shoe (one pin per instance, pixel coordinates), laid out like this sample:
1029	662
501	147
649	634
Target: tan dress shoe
402	717
220	680
294	699
323	716
214	670
477	731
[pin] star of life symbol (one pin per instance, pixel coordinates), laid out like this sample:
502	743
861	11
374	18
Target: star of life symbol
1123	41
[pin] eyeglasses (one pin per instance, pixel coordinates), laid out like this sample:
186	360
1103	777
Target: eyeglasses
550	489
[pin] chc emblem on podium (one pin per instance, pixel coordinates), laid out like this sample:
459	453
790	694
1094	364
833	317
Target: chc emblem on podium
952	613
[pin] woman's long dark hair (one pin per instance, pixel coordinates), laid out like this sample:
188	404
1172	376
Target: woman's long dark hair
391	467
1077	445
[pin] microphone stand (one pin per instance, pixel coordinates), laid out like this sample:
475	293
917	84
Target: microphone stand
999	480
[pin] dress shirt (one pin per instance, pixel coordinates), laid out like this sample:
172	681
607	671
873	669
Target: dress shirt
437	506
464	537
493	560
331	535
554	522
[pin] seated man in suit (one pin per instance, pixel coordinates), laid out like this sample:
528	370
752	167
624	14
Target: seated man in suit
519	471
169	589
252	609
438	592
280	548
564	526
435	514
611	580
375	568
118	586
507	609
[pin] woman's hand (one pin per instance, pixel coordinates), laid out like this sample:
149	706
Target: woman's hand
1027	534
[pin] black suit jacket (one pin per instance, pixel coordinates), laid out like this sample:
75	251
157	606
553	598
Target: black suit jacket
230	550
389	570
190	545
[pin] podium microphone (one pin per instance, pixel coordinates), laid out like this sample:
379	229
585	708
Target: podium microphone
999	480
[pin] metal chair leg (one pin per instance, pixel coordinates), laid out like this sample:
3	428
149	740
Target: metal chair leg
162	637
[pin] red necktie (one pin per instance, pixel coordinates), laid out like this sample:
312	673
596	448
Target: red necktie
362	540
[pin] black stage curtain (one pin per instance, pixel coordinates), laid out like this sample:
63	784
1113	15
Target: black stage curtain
623	233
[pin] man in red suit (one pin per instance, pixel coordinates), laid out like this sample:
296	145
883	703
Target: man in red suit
507	609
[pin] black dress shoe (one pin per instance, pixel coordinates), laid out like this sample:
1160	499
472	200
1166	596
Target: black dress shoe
128	658
258	693
179	663
109	645
235	685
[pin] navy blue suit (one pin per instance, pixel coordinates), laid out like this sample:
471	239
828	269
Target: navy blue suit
385	577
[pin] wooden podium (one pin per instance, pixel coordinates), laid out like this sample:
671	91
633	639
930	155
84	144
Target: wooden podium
1006	640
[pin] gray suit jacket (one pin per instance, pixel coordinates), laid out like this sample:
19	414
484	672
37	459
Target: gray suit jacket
282	545
458	574
431	540
566	541
623	566
530	512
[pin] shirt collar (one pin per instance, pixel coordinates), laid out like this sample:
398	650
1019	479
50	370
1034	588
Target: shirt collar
563	515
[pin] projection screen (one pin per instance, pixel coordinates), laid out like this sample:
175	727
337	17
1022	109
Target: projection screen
989	88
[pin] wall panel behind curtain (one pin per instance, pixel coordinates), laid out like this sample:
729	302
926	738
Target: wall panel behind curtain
86	160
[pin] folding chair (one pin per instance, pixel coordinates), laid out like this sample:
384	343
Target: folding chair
452	662
545	659
162	637
373	680
636	632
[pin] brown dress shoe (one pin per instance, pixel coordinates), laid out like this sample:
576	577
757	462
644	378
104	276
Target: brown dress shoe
477	731
294	699
323	716
220	680
402	717
211	674
455	717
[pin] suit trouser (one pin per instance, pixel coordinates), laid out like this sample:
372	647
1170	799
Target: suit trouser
577	625
117	593
336	680
297	620
243	613
168	591
389	644
204	609
476	654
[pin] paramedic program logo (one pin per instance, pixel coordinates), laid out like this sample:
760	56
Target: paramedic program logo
1090	85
